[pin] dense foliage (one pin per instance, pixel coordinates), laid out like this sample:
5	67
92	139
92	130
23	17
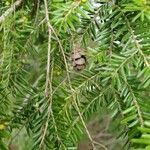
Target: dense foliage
41	93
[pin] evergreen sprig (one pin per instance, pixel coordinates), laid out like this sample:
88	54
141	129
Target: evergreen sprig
39	90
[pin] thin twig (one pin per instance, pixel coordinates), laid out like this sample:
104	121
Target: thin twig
10	10
101	145
138	46
86	108
33	86
111	44
48	86
83	122
62	50
77	89
59	86
72	90
89	79
136	104
69	80
49	76
49	50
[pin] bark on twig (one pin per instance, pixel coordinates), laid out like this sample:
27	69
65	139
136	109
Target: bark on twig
10	10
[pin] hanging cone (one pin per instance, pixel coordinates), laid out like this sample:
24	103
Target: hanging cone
78	59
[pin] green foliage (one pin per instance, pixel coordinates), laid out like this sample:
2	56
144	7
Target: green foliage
141	6
53	102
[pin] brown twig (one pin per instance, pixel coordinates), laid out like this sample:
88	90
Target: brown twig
48	86
10	10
